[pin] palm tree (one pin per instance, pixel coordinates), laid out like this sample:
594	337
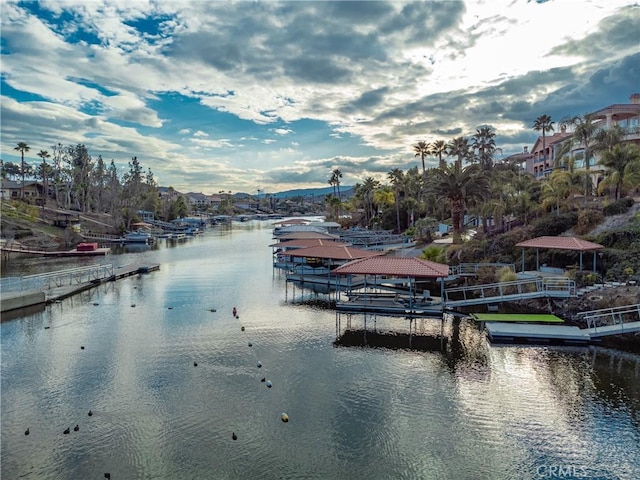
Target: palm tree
544	123
460	187
44	155
422	150
621	162
459	147
337	175
365	192
557	189
332	182
484	141
22	147
396	176
585	133
437	149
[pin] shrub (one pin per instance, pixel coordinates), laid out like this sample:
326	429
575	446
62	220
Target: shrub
505	274
555	224
587	219
616	208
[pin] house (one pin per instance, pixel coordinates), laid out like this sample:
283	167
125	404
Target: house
12	190
546	157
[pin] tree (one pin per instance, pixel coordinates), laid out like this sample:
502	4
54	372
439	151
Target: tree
437	149
459	148
484	142
365	193
460	187
584	133
11	170
557	190
396	176
622	162
544	123
422	150
43	154
337	175
22	147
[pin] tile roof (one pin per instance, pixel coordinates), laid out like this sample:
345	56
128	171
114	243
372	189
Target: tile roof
336	253
560	243
307	234
292	221
394	266
309	242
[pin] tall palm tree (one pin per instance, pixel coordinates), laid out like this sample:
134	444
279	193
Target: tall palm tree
437	149
22	147
460	187
622	162
459	147
544	123
332	182
585	133
43	154
365	191
337	175
422	150
484	142
396	176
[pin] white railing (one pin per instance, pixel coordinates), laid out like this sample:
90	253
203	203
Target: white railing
472	268
71	276
611	316
518	289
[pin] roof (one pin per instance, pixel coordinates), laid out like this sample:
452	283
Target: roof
307	234
560	243
333	252
394	266
309	242
292	221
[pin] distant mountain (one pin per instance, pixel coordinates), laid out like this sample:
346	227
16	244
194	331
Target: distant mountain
345	192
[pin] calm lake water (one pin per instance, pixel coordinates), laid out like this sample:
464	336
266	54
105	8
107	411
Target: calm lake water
473	412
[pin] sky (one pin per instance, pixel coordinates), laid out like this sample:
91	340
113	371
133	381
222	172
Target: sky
249	96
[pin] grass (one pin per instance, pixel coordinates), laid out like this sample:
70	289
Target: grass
516	317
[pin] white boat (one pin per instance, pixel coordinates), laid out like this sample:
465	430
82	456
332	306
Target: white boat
137	236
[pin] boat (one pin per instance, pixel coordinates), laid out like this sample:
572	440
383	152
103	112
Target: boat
137	236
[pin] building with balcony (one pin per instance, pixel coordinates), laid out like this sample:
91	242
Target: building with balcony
546	154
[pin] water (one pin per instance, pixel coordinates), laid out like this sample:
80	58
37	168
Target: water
473	412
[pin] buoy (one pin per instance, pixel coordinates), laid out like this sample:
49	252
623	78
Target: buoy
76	428
242	328
66	431
234	436
263	379
259	365
90	413
169	308
250	344
195	364
96	304
133	305
107	475
284	417
26	432
46	328
268	383
235	312
212	310
81	347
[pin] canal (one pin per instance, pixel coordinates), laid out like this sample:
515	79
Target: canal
170	375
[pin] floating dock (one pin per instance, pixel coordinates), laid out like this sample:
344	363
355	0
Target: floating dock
499	332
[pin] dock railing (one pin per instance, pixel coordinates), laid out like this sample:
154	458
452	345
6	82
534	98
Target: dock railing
472	268
611	316
510	291
71	276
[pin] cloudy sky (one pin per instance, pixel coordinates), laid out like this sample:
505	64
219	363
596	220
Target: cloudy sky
264	95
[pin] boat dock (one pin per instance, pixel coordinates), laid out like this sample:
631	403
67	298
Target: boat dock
50	287
600	323
64	253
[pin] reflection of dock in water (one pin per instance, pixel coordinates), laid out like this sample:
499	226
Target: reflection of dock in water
393	340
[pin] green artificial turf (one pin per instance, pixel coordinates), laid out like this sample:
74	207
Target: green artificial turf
516	317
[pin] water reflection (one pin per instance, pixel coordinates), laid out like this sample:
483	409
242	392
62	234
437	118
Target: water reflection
468	411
